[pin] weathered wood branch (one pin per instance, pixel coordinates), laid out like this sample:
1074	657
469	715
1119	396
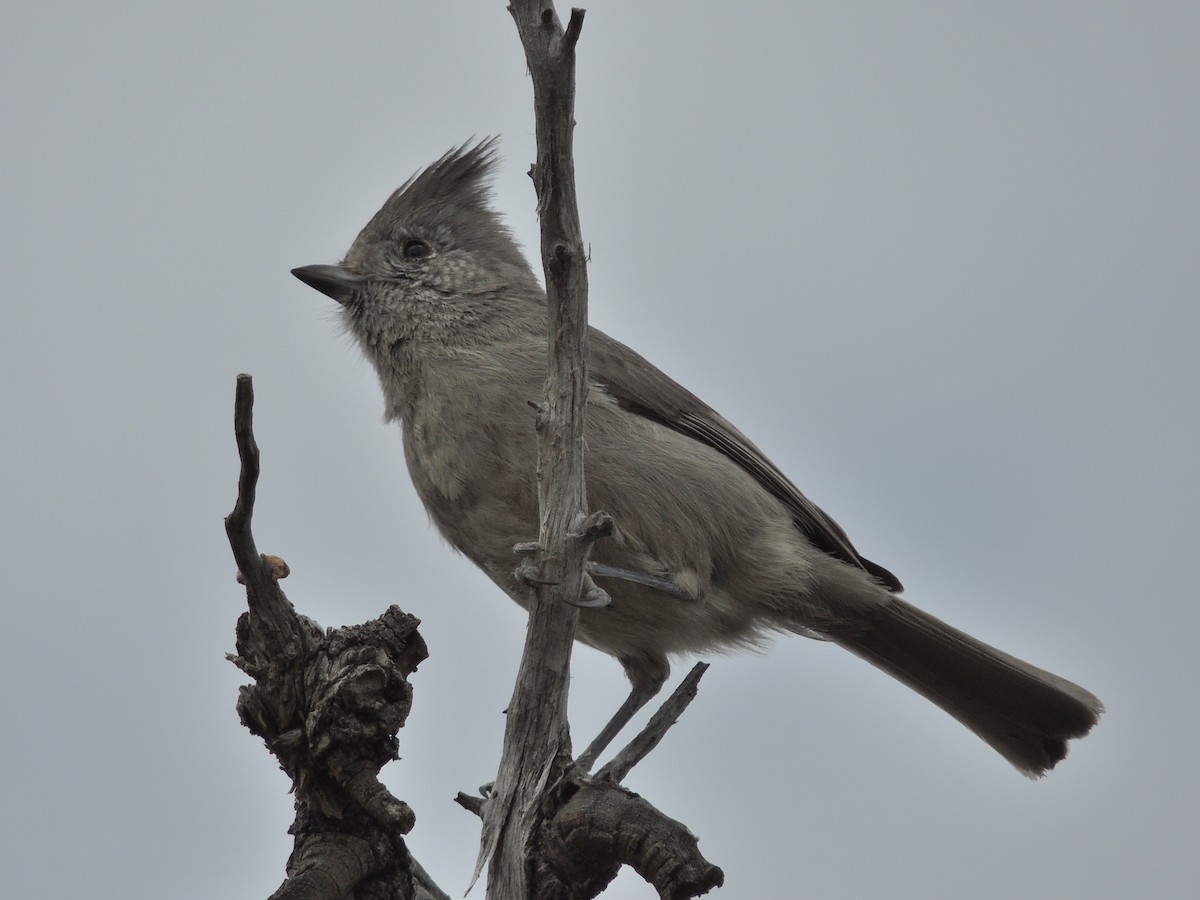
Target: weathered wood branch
328	705
548	830
601	827
537	743
591	826
668	714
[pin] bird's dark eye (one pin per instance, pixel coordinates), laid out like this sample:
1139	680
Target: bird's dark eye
416	249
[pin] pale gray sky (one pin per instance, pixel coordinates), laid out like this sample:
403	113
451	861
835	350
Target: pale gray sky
956	243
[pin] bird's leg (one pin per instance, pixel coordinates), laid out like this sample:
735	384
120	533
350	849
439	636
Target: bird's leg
647	680
658	582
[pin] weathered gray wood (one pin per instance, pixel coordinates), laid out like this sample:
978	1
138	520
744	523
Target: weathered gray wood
537	744
668	714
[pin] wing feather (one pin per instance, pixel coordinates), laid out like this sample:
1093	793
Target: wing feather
642	389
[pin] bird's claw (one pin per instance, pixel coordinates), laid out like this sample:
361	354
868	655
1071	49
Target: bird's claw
591	596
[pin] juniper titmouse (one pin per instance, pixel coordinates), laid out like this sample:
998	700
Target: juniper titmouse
713	548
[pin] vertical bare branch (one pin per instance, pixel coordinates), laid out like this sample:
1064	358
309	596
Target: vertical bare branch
537	746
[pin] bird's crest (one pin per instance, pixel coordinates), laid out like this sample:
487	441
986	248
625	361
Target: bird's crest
447	203
459	177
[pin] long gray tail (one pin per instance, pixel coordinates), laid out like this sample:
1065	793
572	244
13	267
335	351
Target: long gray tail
1025	713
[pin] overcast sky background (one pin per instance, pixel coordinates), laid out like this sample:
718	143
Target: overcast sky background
940	260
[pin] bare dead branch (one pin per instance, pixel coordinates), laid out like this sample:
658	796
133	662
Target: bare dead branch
537	748
604	826
238	521
470	803
574	27
538	798
328	705
668	714
274	616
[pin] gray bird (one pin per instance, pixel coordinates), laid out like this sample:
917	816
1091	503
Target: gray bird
714	548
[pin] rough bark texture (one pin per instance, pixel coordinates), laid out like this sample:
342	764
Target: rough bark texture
537	744
601	827
590	826
328	705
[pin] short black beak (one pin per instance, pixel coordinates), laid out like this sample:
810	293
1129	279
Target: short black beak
332	281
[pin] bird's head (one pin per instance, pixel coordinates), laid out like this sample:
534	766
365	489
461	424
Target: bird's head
434	255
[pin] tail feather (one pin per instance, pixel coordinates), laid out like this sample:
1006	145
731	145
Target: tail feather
1025	713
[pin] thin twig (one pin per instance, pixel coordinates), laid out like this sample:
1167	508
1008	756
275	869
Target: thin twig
237	523
668	714
470	803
